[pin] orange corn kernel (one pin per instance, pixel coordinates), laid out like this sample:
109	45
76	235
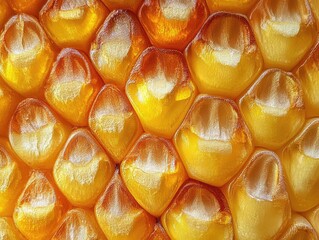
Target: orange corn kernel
5	12
27	6
132	5
26	55
114	122
213	141
158	233
273	108
119	215
258	199
153	173
224	57
172	24
313	217
78	224
73	23
285	31
39	208
8	230
242	6
301	165
198	212
36	134
72	86
315	10
82	169
119	42
160	90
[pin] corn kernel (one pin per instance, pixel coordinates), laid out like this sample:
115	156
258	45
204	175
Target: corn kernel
258	199
158	233
160	90
172	24
36	134
198	212
118	43
72	86
224	58
273	108
313	217
119	215
132	5
73	23
27	6
5	12
26	55
213	140
78	224
39	208
114	122
315	10
242	6
82	169
285	31
8	231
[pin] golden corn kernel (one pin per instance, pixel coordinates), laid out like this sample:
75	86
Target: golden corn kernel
5	12
78	224
273	108
308	73
36	134
213	141
224	58
153	173
119	215
8	231
72	86
158	233
82	169
301	166
9	100
160	90
242	6
27	6
114	122
73	23
26	55
258	199
39	208
198	212
172	24
132	5
313	217
119	42
285	31
315	10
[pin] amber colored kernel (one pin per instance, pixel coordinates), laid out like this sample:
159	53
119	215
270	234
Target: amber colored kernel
73	23
172	23
120	216
27	6
258	198
72	86
26	55
158	233
273	108
39	208
160	90
118	44
198	212
285	31
5	12
82	169
242	6
78	224
36	134
315	10
153	173
8	230
132	5
114	122
313	217
213	141
224	58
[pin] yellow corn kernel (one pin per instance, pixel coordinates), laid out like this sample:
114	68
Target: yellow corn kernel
132	5
26	55
78	224
158	233
273	108
72	23
27	6
118	44
313	217
160	90
72	86
213	141
82	169
114	122
153	173
39	208
224	57
258	199
36	134
172	24
198	212
285	31
5	12
242	6
8	231
119	215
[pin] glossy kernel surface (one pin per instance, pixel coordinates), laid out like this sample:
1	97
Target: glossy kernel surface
313	217
132	5
8	230
158	233
5	12
242	6
27	6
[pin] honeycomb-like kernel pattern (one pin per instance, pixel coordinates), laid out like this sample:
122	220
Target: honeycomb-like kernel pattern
133	120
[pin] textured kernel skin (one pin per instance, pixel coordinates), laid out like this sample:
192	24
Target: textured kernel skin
241	6
8	230
132	5
27	6
5	12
